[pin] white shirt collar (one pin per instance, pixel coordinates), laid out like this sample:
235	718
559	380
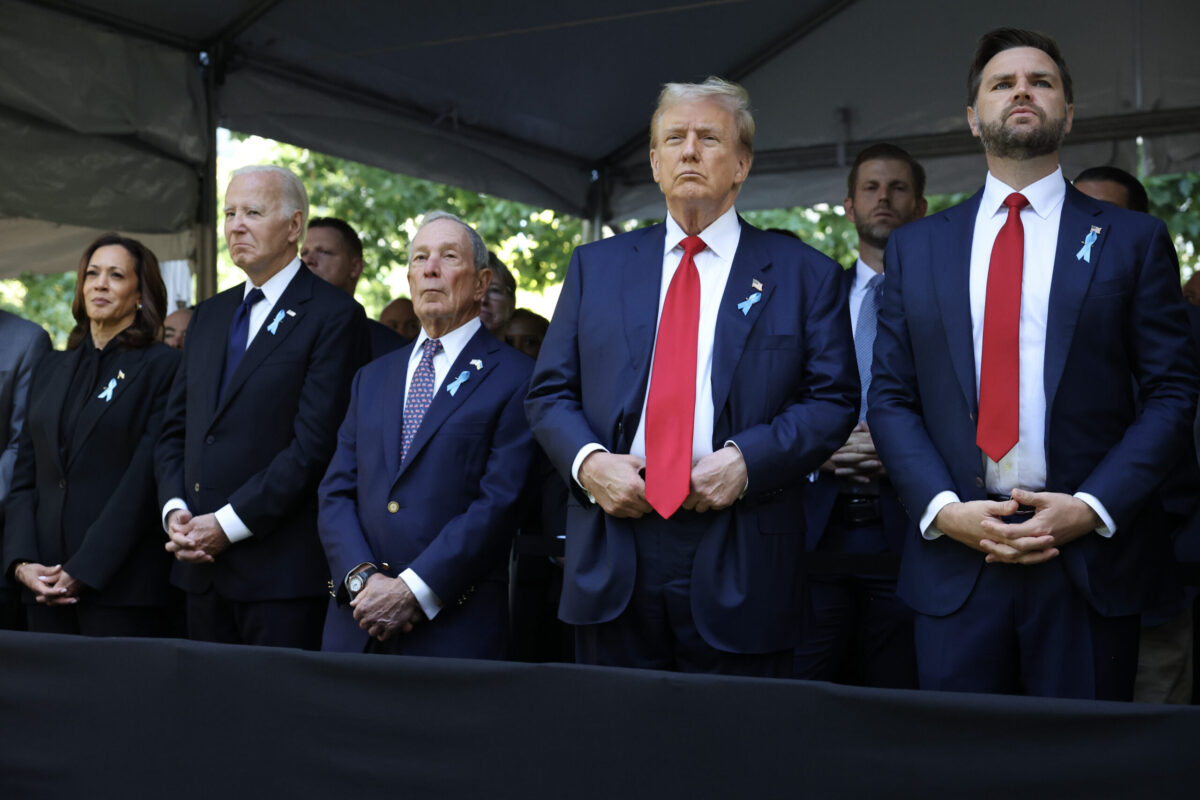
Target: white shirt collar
721	236
1044	196
453	342
863	274
273	288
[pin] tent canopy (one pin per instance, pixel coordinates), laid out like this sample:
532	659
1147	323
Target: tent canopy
108	107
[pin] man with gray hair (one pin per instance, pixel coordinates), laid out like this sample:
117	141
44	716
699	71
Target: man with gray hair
693	374
420	503
250	425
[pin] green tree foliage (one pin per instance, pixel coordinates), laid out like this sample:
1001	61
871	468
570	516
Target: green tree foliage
45	299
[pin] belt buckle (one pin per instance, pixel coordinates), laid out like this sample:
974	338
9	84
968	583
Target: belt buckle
861	510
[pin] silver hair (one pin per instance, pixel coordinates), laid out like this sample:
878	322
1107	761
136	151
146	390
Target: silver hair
732	96
478	249
294	196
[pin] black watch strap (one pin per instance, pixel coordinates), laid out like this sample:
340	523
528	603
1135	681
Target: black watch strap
355	581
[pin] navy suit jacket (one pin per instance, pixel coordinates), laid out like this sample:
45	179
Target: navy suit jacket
95	513
821	494
1120	381
450	511
785	390
264	445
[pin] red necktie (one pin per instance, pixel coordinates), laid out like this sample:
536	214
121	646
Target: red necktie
1000	370
671	406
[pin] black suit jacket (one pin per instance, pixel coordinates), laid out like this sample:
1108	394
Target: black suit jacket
264	445
96	514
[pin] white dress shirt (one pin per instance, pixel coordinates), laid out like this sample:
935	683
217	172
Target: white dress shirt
236	530
452	346
1023	467
713	264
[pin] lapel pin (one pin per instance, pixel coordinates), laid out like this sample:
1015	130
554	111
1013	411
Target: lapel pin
273	328
476	363
291	313
1085	252
756	284
749	301
107	394
459	381
120	375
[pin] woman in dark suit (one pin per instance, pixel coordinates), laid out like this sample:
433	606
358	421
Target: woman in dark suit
83	534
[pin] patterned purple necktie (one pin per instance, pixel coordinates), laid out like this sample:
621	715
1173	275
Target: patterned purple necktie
420	395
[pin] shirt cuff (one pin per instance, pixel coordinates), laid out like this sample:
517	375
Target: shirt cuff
174	504
231	523
939	501
733	444
428	601
583	453
1108	528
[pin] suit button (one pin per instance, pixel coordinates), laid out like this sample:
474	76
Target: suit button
393	507
62	484
210	439
196	488
979	482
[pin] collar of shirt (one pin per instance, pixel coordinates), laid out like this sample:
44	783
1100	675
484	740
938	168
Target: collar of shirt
453	344
721	237
1044	196
272	290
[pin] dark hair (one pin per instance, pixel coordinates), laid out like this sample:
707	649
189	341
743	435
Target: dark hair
1138	201
349	237
148	319
532	316
1000	39
500	270
885	151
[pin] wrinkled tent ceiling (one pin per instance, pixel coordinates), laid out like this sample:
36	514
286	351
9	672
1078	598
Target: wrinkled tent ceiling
105	122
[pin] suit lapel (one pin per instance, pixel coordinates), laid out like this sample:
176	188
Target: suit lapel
212	345
125	371
640	284
276	328
1069	284
392	410
482	349
951	277
751	266
58	384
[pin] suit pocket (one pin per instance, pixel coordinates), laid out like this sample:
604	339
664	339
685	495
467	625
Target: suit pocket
781	513
1111	288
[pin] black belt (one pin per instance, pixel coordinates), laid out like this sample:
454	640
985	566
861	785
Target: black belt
1023	511
857	511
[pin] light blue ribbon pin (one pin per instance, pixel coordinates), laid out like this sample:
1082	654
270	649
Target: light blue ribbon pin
1085	252
459	381
107	394
749	301
273	328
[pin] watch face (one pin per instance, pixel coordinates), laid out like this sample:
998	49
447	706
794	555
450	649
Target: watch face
356	583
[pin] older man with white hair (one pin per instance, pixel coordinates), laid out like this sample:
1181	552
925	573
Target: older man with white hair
251	424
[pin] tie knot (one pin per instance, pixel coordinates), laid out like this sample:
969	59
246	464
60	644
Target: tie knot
873	284
432	347
253	297
692	245
1016	201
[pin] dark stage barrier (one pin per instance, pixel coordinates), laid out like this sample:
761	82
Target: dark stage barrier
125	718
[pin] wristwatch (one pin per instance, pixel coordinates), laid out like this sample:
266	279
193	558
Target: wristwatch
355	581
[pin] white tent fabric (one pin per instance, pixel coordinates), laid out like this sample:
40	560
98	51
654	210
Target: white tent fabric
107	107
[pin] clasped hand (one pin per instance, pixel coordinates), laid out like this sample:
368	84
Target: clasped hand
51	586
856	460
195	540
386	606
615	482
1056	520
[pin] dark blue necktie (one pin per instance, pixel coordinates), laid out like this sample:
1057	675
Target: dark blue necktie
238	333
864	336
